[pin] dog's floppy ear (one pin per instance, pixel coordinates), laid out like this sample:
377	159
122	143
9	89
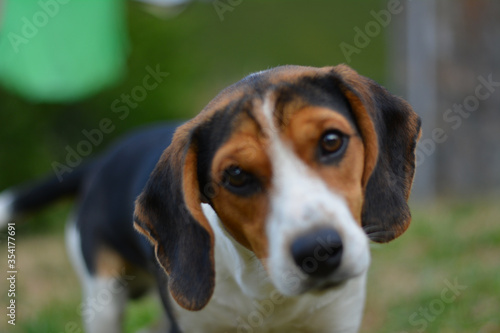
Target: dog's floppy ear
390	131
169	214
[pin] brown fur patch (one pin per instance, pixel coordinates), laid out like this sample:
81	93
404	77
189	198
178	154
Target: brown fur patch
304	132
109	263
244	217
364	112
191	191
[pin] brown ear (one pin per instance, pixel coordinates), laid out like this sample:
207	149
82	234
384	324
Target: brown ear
169	214
390	131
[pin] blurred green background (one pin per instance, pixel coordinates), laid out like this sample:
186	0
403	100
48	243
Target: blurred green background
203	54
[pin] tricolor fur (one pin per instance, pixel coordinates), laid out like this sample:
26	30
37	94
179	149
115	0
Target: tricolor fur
258	213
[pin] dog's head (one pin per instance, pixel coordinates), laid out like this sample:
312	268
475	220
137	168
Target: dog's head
300	165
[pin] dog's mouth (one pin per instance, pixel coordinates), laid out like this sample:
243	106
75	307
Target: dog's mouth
301	284
319	286
331	285
297	284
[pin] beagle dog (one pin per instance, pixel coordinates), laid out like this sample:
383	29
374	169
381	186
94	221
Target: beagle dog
254	216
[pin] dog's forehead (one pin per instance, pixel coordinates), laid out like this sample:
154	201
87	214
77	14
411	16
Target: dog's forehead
281	91
284	87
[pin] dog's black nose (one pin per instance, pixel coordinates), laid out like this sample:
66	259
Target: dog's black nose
318	253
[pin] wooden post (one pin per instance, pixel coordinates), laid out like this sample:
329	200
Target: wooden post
421	88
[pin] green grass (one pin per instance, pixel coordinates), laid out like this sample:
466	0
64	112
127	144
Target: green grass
447	243
452	243
61	317
54	317
142	313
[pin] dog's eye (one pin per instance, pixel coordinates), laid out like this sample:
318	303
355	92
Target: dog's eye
239	181
331	145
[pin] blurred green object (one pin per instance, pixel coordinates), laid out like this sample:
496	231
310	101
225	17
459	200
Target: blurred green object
62	50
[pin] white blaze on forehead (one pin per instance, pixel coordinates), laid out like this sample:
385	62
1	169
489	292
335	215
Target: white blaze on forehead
297	188
301	202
